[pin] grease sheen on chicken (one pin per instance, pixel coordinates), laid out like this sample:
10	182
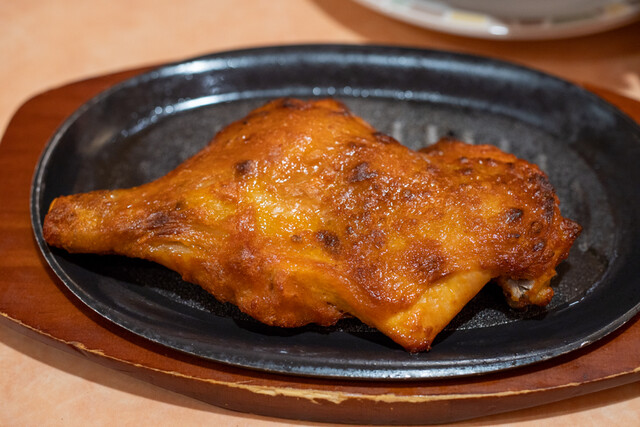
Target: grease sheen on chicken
303	213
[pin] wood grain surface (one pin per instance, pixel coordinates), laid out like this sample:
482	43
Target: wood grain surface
27	283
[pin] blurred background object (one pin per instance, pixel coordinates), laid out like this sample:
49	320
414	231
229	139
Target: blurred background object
506	19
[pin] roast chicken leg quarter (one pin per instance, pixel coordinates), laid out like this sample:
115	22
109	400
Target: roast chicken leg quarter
303	213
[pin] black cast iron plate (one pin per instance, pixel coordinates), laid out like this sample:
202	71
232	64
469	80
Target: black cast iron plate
144	127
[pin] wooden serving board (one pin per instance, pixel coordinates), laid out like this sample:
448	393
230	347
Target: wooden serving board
33	301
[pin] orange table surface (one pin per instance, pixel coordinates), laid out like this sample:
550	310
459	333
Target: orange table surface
44	44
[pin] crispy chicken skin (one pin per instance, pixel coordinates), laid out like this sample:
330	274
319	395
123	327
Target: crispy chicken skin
303	213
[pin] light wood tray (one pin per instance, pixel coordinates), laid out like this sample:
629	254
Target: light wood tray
33	301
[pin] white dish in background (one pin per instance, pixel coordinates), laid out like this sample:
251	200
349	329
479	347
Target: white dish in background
508	19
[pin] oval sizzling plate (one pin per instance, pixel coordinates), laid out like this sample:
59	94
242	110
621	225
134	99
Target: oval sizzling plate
144	127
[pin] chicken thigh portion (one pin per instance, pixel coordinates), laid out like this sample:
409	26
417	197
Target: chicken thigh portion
303	213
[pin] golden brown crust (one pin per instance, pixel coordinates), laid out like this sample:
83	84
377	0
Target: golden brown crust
302	212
